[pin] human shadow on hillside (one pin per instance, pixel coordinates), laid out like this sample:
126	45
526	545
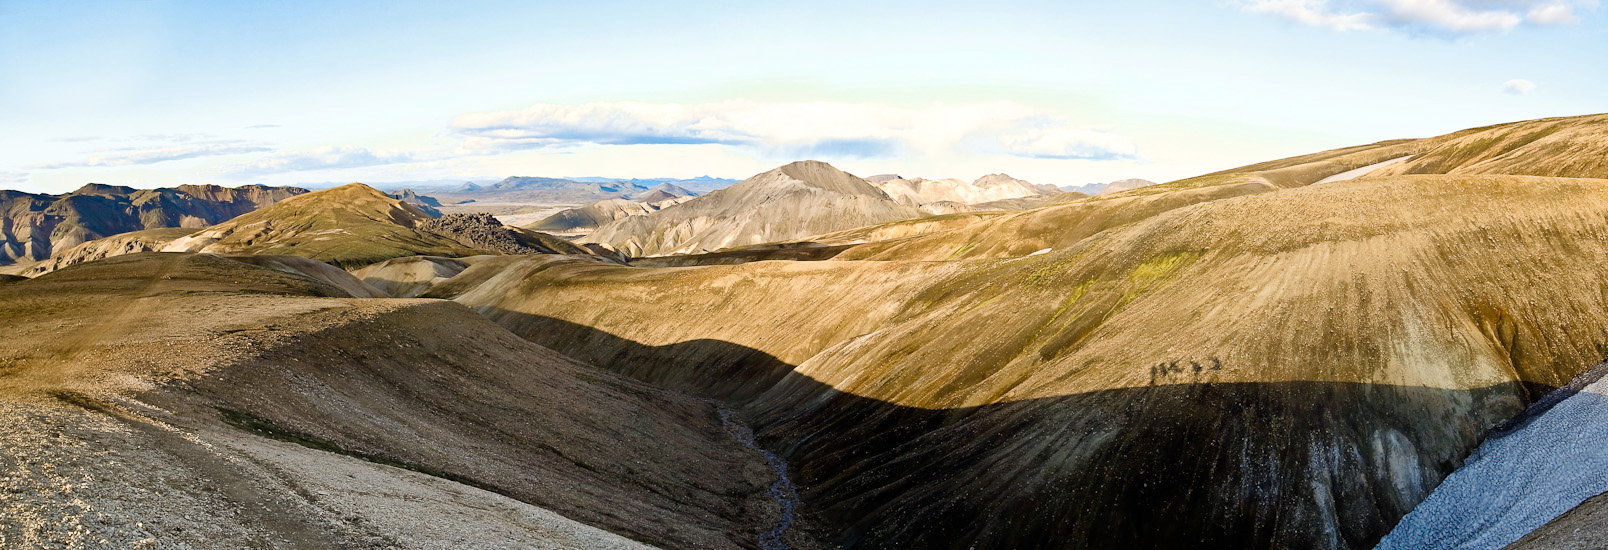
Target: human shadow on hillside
1287	463
1226	465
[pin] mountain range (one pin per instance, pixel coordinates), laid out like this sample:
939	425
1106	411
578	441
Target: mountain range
32	225
1298	353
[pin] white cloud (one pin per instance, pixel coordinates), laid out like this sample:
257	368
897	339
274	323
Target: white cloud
1518	86
796	130
1446	17
325	158
1316	13
13	179
1558	13
137	156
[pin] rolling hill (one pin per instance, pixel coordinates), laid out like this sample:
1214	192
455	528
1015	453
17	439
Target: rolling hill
200	400
1294	353
1561	147
350	226
1002	383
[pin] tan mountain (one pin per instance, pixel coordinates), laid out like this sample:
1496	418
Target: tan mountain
1242	359
350	226
793	201
149	240
992	187
590	217
33	226
1126	185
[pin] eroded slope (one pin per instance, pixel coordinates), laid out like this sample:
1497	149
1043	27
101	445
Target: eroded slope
1119	388
196	400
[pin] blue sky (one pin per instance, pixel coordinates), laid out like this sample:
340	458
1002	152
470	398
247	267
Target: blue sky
162	93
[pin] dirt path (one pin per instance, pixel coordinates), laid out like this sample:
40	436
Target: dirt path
259	508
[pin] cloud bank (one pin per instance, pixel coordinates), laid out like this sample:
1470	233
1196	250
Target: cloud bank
139	157
796	130
326	158
1518	86
1434	17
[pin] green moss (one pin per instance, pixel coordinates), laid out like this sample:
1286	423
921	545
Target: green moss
1071	299
1155	271
963	250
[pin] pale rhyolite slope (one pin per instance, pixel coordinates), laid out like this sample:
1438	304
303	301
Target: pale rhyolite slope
796	200
992	187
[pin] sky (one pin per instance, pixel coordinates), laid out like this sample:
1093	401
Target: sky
159	93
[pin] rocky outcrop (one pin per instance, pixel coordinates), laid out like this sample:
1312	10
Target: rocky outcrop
33	226
483	231
426	204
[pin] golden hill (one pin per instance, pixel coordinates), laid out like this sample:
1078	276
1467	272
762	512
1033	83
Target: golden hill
1218	362
1288	354
1560	147
351	225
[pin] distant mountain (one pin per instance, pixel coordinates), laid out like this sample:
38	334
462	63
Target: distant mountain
525	189
590	217
1127	184
797	200
1112	187
1087	188
545	190
992	187
349	226
425	203
664	191
33	226
424	186
700	184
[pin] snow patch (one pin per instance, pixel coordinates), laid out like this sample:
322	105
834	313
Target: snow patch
1360	172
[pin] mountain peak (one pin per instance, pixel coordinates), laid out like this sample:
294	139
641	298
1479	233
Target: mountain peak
821	175
670	189
102	189
996	179
356	198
